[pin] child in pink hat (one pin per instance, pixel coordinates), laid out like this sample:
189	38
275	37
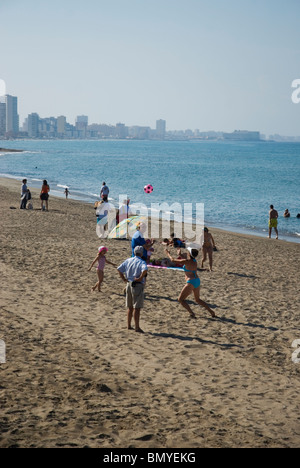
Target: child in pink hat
102	260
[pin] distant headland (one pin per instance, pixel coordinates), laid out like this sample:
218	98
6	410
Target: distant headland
10	150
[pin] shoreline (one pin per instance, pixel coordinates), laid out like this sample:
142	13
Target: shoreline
240	231
76	377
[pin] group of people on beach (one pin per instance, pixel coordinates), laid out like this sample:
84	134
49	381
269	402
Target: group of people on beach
26	196
133	271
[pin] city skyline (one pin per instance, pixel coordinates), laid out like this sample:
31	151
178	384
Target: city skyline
35	126
196	64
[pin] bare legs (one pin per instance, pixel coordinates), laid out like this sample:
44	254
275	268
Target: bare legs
135	313
206	251
270	232
100	274
187	290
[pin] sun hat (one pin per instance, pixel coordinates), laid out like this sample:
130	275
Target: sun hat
102	249
190	250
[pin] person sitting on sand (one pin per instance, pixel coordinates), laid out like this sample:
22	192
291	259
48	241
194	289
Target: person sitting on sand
174	242
192	281
207	248
102	260
286	214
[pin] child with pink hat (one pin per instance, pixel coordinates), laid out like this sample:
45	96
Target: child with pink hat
102	260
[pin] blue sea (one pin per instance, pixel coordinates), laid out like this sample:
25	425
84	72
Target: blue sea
236	181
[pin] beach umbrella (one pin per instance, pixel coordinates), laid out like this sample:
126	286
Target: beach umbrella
126	227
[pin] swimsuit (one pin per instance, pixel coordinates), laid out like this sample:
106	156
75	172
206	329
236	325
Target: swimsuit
101	263
194	281
273	223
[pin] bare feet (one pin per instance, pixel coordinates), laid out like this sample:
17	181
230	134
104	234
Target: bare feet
139	330
192	315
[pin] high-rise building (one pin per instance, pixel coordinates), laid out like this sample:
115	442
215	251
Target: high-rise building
33	125
61	125
12	117
160	128
2	118
81	125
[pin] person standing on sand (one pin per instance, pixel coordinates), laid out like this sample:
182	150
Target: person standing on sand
207	248
133	272
273	221
104	192
192	281
44	196
102	260
24	193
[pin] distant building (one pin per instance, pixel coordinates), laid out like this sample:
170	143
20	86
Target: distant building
81	125
121	131
11	117
139	133
2	118
161	129
61	125
33	125
242	135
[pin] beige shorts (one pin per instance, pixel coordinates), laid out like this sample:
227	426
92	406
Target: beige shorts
135	295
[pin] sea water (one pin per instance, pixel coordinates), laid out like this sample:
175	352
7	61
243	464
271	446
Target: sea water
236	181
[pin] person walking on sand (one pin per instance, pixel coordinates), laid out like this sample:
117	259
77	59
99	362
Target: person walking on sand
207	248
44	195
133	272
192	281
273	221
102	260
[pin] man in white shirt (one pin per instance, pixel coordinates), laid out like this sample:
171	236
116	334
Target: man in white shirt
133	272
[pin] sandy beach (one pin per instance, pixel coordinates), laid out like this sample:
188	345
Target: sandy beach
76	377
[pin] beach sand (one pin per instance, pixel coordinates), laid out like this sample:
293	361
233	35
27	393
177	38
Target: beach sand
76	377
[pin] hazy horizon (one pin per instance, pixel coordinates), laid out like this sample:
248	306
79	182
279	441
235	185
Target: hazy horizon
217	65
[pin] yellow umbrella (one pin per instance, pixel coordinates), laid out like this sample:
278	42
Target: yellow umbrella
126	227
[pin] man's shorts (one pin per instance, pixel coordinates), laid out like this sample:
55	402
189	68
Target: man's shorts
135	295
273	223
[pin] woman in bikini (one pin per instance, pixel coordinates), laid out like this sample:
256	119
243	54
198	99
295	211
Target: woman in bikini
207	248
192	281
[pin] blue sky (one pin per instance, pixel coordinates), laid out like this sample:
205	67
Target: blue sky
211	65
